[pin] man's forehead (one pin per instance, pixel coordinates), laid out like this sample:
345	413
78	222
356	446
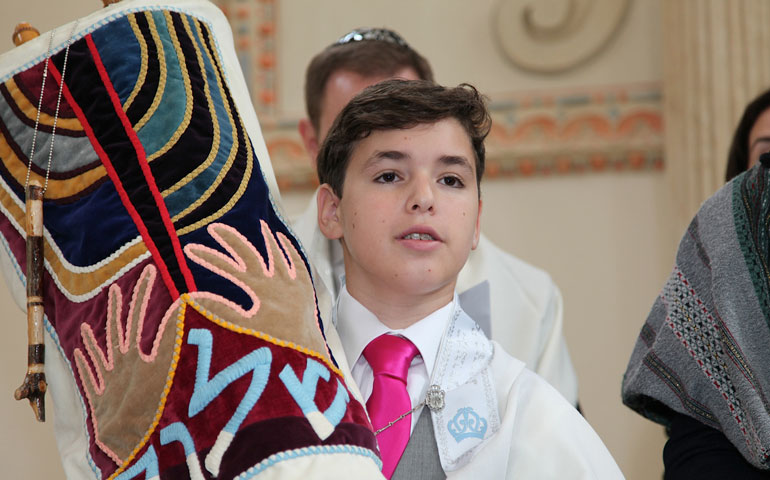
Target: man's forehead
348	83
343	85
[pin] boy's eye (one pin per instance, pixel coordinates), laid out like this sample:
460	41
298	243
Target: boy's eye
387	177
451	181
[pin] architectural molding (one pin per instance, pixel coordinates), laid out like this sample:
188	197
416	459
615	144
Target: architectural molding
555	36
555	132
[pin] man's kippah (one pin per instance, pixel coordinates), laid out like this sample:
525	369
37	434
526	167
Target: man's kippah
374	34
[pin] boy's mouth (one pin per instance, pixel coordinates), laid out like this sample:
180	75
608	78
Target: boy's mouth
422	233
418	236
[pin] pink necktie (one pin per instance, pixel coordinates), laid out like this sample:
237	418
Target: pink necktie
390	357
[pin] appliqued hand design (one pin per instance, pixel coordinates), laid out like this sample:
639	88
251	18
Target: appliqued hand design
123	384
281	291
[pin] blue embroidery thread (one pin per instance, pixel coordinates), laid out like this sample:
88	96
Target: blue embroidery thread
467	424
307	451
304	394
205	390
147	464
177	432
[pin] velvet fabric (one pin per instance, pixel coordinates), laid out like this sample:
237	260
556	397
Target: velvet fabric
173	289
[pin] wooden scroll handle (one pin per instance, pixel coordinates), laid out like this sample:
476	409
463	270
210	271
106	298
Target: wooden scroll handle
107	3
24	32
34	386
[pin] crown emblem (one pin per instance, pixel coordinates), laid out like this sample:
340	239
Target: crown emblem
467	424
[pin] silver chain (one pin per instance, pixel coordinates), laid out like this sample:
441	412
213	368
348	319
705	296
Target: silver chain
40	106
434	400
400	417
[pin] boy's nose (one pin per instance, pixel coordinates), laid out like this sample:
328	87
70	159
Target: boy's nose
422	198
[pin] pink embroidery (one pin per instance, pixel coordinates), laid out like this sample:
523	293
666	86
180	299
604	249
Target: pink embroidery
237	263
148	275
149	358
224	301
285	244
104	360
97	356
238	266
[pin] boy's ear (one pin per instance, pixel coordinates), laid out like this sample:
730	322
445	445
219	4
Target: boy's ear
309	138
329	220
477	231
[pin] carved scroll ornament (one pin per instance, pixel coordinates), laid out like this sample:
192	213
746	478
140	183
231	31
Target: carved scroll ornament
552	36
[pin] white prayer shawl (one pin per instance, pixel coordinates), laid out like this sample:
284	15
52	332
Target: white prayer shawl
500	420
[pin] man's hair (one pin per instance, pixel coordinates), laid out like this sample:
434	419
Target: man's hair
401	104
738	158
367	52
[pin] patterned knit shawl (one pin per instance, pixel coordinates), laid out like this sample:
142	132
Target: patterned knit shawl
704	350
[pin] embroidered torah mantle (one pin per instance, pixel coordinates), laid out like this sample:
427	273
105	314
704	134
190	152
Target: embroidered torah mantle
181	320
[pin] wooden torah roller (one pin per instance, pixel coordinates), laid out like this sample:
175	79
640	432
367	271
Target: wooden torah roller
23	33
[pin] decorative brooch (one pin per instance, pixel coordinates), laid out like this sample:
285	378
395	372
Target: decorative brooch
434	399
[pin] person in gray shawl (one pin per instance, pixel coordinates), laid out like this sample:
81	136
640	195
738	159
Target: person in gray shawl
701	364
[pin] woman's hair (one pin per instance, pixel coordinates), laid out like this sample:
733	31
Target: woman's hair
738	158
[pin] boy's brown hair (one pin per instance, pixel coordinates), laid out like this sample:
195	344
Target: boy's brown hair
365	51
401	104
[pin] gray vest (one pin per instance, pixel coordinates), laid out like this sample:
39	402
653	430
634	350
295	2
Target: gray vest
420	459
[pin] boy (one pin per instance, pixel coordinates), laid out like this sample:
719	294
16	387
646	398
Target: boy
400	172
516	303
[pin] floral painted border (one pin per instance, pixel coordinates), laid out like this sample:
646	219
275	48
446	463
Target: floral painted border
538	134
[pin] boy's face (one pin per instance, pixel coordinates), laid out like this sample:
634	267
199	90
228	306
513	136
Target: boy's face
409	214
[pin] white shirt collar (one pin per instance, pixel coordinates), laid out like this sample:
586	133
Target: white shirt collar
357	326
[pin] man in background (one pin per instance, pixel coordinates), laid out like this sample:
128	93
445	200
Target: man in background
515	303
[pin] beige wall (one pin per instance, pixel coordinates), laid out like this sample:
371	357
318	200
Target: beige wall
28	447
601	238
605	238
456	37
